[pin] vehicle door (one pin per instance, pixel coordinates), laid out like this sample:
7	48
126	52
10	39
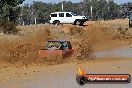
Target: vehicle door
61	17
69	18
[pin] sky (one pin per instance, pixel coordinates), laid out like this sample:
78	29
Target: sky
56	1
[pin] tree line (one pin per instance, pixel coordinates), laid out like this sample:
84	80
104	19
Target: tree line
39	12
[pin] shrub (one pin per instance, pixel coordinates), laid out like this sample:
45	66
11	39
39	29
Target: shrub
8	27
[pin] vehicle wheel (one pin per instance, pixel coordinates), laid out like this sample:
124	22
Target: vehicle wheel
56	22
77	22
81	24
130	24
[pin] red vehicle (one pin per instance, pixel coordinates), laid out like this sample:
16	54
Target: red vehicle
59	48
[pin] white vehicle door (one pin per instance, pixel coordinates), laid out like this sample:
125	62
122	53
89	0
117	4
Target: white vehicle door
61	17
69	18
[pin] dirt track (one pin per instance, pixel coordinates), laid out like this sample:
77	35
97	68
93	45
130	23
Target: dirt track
103	36
63	76
124	52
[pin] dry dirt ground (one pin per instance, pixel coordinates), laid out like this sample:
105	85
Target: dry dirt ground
19	61
63	76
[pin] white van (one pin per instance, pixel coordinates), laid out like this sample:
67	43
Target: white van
67	17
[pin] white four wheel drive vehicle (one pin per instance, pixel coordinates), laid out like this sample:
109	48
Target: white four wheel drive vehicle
67	17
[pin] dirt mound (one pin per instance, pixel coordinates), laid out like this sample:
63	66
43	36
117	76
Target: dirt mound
23	48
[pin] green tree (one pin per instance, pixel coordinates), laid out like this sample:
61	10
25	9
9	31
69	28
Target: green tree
42	10
9	9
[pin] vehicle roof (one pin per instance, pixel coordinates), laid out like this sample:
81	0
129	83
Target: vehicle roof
61	12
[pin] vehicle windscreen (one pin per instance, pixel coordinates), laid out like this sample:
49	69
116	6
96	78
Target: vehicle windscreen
74	14
57	45
53	45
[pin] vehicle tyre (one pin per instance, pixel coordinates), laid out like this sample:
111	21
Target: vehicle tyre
77	22
81	24
130	24
56	22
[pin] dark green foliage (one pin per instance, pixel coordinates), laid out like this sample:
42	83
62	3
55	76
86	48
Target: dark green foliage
102	9
9	11
42	11
8	27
